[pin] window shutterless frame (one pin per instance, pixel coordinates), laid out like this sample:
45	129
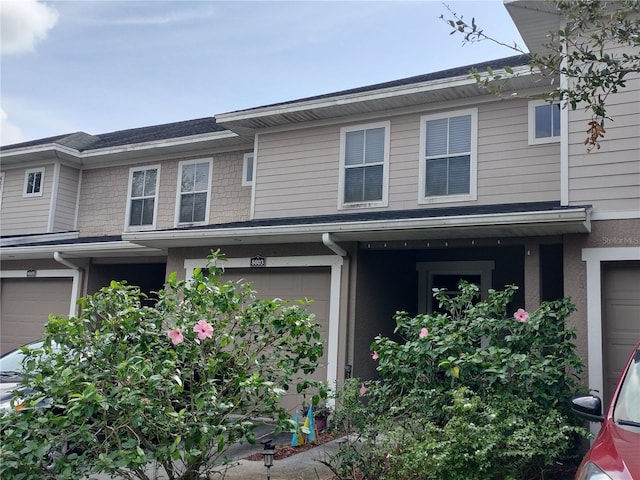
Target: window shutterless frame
247	169
33	182
364	166
142	198
448	159
544	122
193	192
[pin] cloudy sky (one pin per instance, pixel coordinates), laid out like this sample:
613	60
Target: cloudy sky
102	66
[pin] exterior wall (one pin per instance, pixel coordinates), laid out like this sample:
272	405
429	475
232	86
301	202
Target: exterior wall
297	170
66	199
609	178
103	201
16	208
604	234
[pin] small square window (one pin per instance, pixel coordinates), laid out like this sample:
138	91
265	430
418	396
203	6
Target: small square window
544	122
33	182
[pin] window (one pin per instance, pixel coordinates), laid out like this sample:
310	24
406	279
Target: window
364	157
194	187
143	192
544	122
1	186
33	182
448	157
247	170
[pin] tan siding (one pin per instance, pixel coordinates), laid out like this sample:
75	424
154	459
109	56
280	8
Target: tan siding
230	201
608	178
20	215
65	214
298	170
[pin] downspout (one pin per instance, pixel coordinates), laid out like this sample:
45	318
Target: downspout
333	246
57	256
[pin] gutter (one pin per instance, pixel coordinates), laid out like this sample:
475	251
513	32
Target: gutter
333	246
57	256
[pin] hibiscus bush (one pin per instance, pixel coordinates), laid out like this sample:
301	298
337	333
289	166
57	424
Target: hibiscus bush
473	391
130	389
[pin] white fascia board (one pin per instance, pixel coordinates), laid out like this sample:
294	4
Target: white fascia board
570	215
47	147
52	237
337	100
78	249
160	143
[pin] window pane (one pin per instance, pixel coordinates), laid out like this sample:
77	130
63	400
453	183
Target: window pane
137	184
353	185
437	137
202	177
135	217
373	183
199	207
460	134
436	177
150	182
374	148
354	148
147	211
188	174
459	173
249	172
543	121
186	208
556	119
36	182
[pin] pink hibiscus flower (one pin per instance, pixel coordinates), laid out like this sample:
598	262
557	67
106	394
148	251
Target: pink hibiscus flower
203	329
521	315
176	336
374	355
424	332
363	390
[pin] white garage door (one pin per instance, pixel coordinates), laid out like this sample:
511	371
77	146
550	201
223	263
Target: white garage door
621	317
25	307
291	284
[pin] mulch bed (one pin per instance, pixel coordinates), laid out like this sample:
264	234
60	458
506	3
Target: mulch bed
287	450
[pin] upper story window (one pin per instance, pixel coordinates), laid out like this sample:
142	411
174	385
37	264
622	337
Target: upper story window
33	182
544	122
364	165
142	203
194	188
448	164
247	170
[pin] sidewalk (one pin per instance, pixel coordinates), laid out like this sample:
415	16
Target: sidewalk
302	466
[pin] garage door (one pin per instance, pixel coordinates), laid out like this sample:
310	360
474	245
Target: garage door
292	284
621	317
25	306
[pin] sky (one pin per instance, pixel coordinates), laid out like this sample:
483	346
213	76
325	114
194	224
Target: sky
100	66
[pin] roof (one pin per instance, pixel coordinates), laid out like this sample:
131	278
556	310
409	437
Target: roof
513	61
84	142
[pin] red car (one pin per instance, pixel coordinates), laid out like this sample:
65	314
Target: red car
615	453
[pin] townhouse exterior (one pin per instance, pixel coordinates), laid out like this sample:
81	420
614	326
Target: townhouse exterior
362	200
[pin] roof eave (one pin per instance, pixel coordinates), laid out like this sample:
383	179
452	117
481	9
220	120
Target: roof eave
553	222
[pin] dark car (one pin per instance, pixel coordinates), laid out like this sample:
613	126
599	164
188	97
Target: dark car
615	453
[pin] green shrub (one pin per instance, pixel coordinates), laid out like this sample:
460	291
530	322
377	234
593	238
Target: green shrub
471	392
134	386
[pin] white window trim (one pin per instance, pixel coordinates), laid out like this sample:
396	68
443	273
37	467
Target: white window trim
132	170
426	271
422	168
532	124
385	165
26	180
245	169
178	191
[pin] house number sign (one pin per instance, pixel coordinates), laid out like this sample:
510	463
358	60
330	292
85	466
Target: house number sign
258	262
